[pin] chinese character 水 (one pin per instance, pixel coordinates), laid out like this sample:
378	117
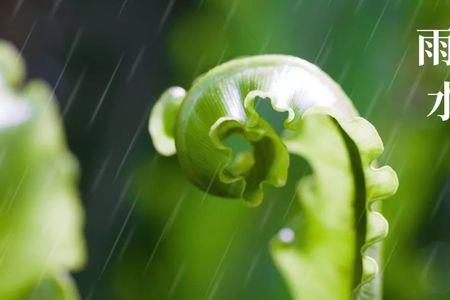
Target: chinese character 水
444	99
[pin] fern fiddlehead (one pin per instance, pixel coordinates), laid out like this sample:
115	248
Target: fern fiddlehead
331	252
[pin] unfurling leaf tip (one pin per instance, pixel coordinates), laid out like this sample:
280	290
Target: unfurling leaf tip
162	120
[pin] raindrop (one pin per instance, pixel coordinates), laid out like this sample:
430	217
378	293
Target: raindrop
286	235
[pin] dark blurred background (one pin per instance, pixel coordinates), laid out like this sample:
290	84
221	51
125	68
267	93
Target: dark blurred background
150	234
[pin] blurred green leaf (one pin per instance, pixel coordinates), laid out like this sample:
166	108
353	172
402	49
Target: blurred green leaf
41	216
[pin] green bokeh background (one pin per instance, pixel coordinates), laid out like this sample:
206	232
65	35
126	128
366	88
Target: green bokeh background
150	233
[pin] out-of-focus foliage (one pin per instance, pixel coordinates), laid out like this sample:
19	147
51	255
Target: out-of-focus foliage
228	242
40	214
333	245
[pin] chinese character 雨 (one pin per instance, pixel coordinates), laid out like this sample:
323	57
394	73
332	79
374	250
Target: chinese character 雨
434	44
442	97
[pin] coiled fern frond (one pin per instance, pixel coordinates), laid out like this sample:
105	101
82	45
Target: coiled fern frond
331	251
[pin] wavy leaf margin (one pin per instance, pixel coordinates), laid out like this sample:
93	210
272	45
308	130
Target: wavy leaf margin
226	95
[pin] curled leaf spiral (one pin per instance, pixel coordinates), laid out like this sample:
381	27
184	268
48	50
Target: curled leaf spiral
332	252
